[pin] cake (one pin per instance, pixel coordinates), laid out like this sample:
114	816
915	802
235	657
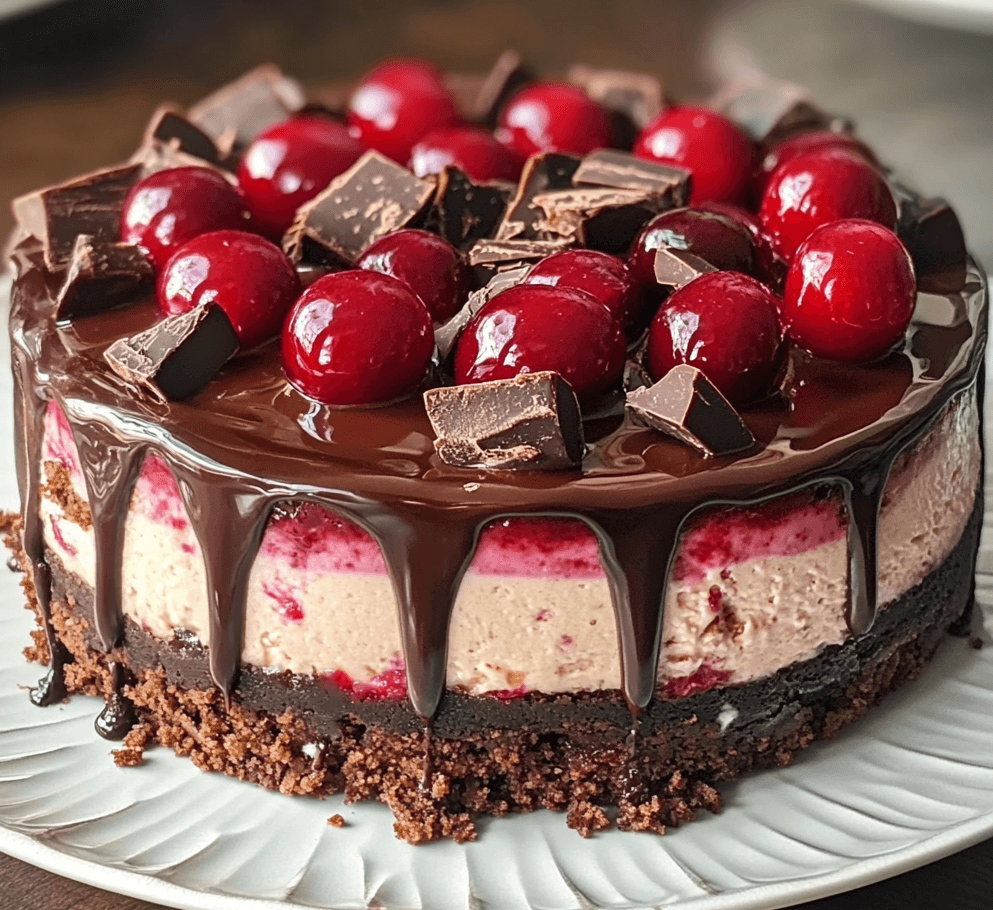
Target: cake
602	580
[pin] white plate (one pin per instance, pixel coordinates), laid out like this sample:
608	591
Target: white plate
912	783
970	15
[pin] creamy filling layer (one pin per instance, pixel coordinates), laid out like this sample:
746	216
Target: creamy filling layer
752	590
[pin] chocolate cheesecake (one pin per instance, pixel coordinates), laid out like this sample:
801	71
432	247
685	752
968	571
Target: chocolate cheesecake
601	580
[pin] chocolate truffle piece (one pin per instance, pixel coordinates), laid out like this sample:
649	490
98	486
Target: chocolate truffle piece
89	204
674	268
373	198
464	211
686	405
507	75
102	276
610	167
530	421
550	171
770	110
931	231
237	112
178	356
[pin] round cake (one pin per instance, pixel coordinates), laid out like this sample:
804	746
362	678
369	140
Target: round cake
417	500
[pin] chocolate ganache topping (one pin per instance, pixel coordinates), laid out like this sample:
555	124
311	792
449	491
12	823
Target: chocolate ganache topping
249	441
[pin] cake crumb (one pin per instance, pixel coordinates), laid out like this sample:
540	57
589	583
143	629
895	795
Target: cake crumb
337	820
975	642
586	818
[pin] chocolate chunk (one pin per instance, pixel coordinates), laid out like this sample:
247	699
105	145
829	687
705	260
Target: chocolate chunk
102	276
447	335
931	231
178	356
169	127
529	421
542	173
632	99
770	110
685	404
609	167
308	273
489	257
674	268
601	218
465	212
506	77
237	112
374	197
90	204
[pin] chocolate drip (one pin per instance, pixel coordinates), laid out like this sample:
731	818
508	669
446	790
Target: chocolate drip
110	468
862	497
119	715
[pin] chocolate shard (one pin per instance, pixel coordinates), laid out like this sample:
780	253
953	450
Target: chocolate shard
237	112
447	335
102	276
464	211
89	204
374	197
178	356
490	257
932	233
170	128
551	171
770	109
674	268
601	218
686	405
609	167
530	421
507	75
632	99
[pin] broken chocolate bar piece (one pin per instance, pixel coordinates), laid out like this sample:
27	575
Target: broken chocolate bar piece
632	99
90	204
550	171
610	167
447	334
932	233
506	77
170	128
770	110
178	356
529	421
373	198
102	276
237	112
488	257
674	268
465	212
685	404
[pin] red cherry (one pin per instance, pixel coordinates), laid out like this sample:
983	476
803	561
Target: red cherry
244	274
397	104
290	163
769	267
717	238
357	337
553	117
850	291
167	208
600	275
529	328
476	151
430	266
803	144
820	187
717	152
725	324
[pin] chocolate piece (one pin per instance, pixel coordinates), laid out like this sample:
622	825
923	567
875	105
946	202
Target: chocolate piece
465	212
489	257
633	99
446	335
542	173
932	233
169	127
684	403
90	204
308	273
770	110
102	276
601	218
506	77
674	268
609	167
529	421
178	356
237	112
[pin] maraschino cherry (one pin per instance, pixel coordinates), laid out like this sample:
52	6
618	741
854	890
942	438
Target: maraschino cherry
475	151
397	104
357	337
725	324
290	163
169	207
244	274
804	144
430	266
530	328
850	291
553	117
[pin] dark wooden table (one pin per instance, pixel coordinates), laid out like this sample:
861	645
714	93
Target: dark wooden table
79	78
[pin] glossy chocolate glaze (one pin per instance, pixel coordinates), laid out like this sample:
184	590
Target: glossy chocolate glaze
250	441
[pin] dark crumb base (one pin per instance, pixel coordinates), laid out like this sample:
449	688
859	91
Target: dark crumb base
584	767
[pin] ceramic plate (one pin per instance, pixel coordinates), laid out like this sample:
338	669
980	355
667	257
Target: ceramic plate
971	15
912	783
